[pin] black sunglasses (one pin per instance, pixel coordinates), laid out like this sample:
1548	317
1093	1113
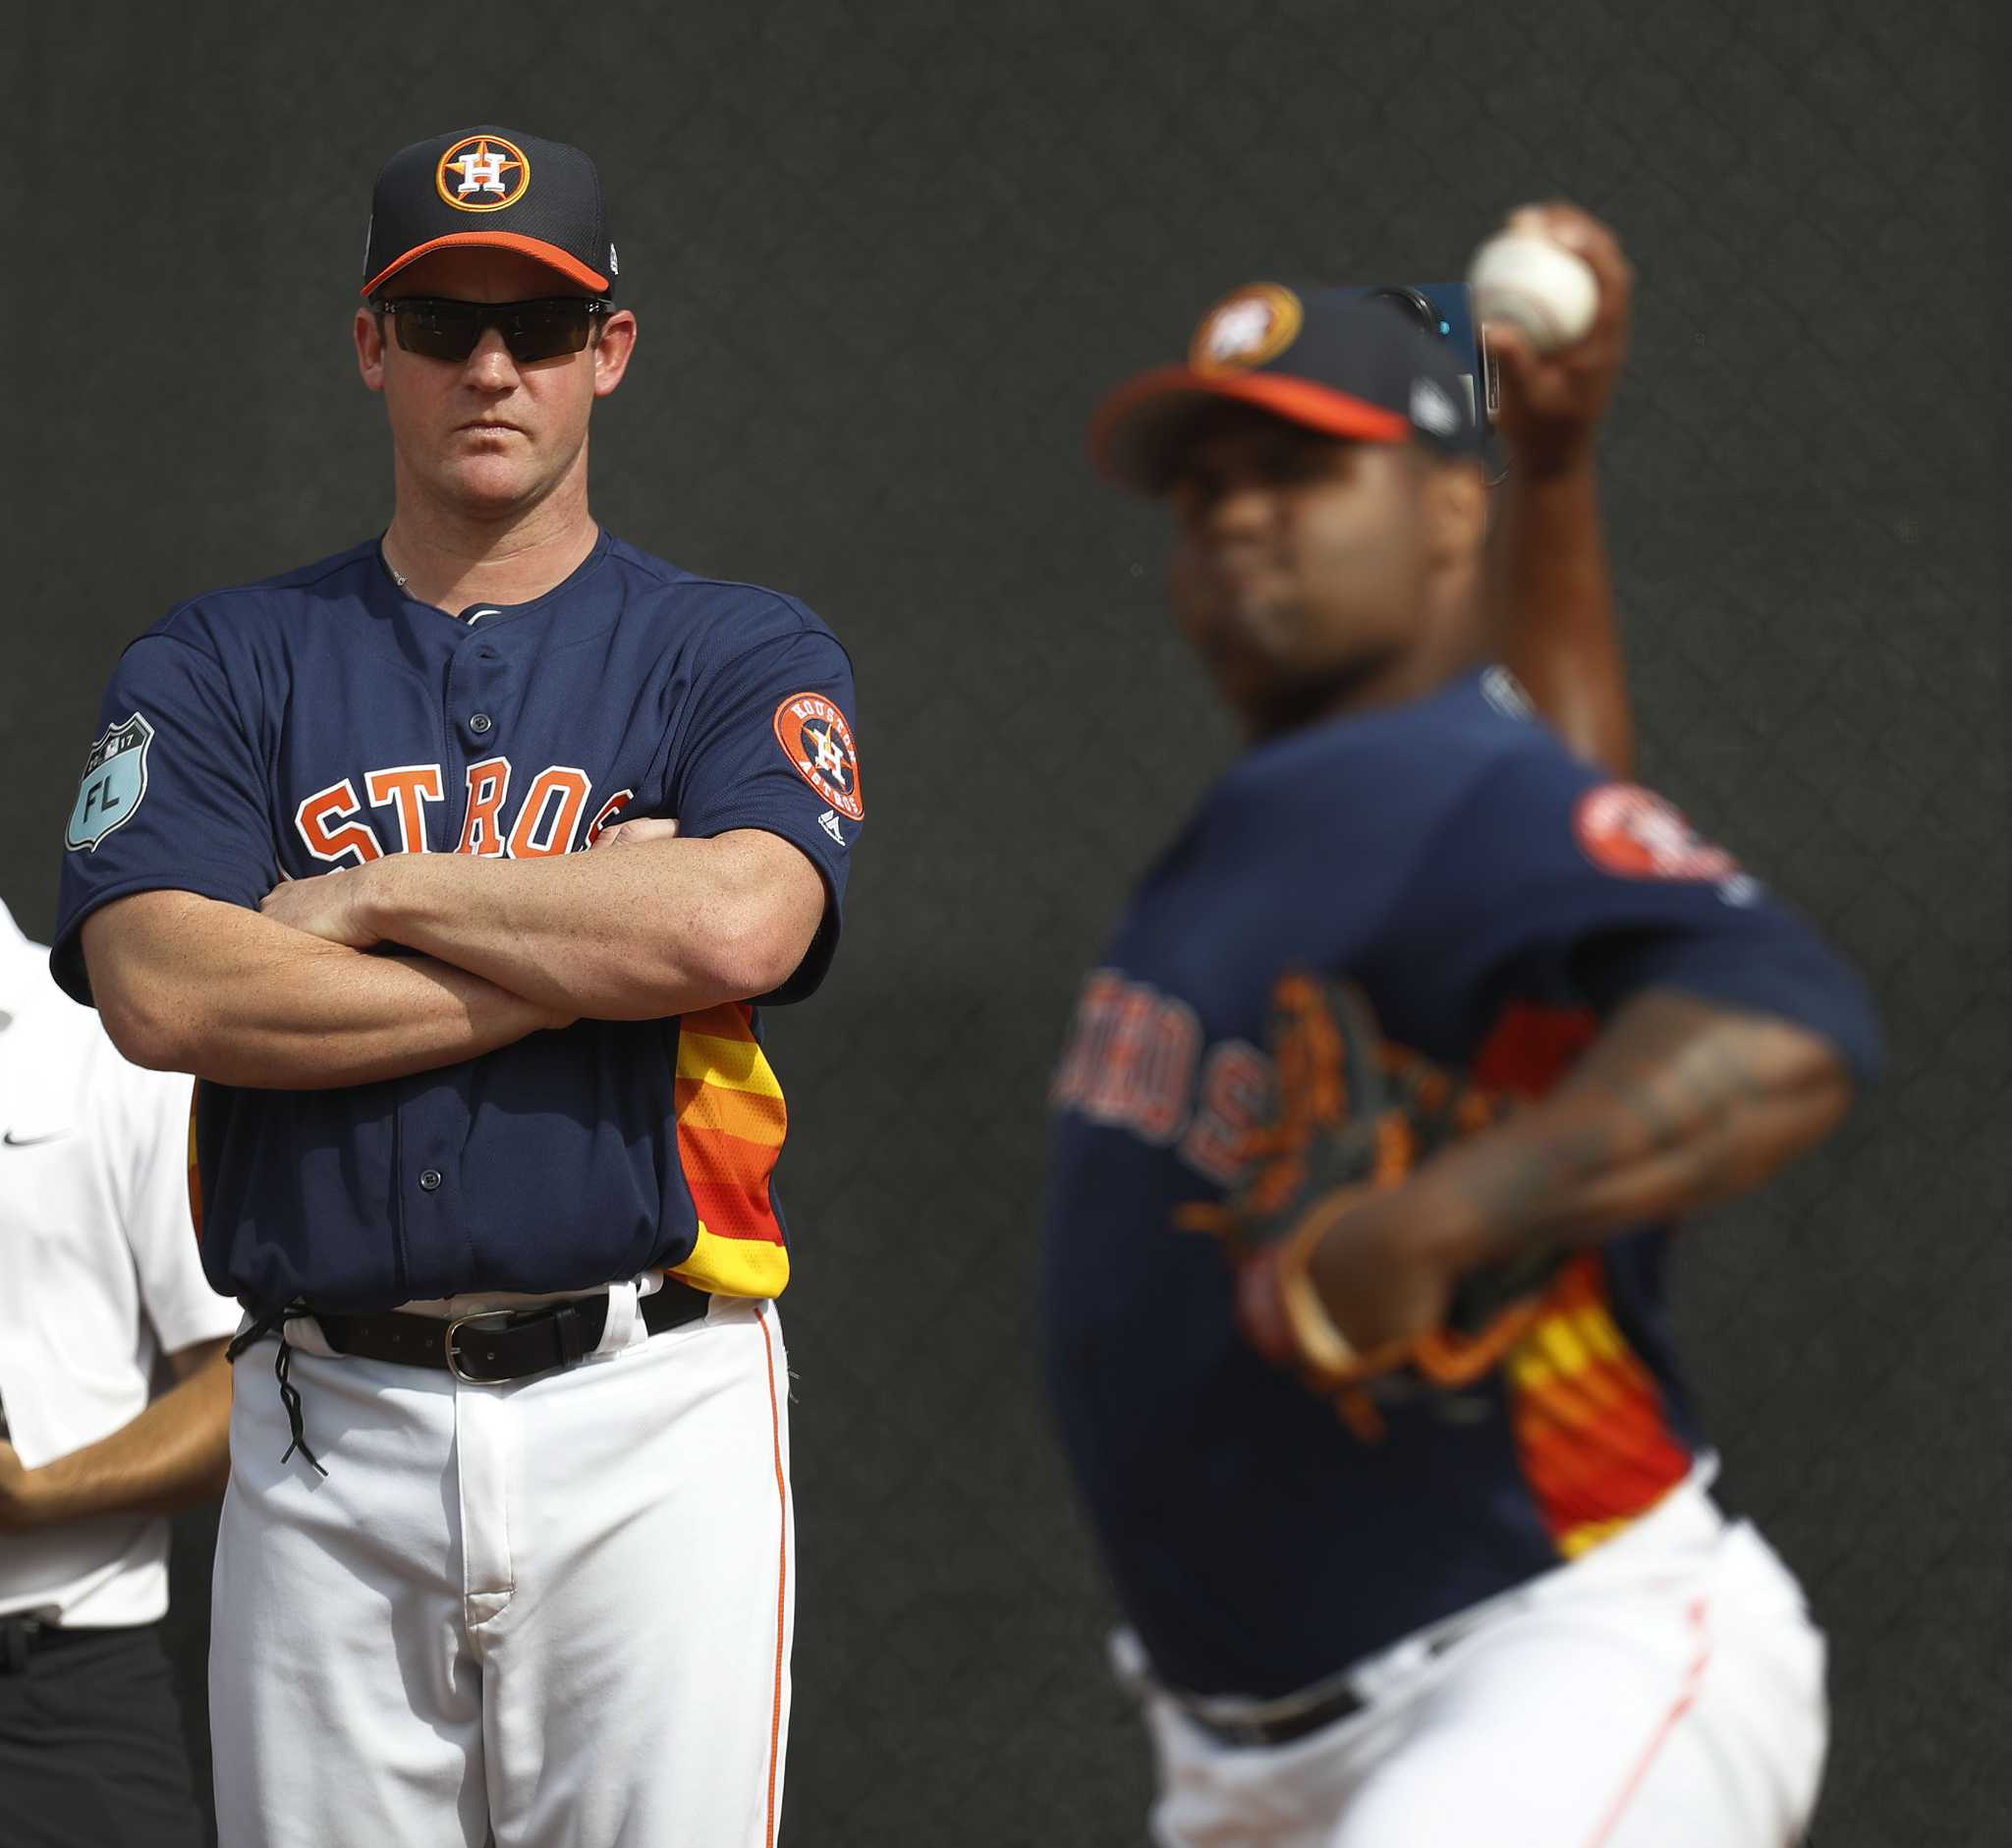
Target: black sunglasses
444	329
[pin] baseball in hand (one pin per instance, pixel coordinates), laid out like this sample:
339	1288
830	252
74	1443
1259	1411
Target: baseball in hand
1536	286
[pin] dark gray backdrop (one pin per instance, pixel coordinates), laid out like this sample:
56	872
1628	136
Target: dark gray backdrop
886	255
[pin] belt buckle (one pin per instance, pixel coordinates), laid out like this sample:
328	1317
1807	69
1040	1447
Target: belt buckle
506	1317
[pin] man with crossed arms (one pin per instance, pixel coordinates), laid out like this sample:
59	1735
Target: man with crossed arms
485	1127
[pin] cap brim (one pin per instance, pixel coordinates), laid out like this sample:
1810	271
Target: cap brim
1138	429
550	255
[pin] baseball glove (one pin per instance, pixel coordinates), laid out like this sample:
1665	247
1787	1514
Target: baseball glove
1354	1113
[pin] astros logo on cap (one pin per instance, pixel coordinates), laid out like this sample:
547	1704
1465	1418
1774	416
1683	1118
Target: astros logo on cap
1254	324
482	173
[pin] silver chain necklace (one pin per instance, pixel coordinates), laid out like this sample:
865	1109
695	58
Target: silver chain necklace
473	617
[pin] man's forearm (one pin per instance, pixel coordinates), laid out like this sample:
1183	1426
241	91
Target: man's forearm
1550	596
186	983
637	933
174	1454
1678	1107
1556	627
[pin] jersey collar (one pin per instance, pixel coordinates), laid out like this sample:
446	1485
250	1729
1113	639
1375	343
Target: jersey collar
493	615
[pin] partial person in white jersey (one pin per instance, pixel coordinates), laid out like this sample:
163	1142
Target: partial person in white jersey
101	1292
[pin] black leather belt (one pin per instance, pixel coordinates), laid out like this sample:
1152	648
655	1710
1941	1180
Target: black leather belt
1328	1711
503	1345
1301	1715
22	1637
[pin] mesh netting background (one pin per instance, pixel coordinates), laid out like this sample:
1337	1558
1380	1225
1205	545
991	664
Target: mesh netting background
886	255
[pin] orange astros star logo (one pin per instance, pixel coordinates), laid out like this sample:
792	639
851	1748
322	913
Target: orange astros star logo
1635	834
482	173
818	743
1245	328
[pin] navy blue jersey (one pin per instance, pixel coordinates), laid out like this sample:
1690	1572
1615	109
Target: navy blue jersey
323	719
1493	896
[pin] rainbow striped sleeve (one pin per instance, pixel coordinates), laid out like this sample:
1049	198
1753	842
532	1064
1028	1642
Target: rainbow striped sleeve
1593	1436
1591	1431
730	1125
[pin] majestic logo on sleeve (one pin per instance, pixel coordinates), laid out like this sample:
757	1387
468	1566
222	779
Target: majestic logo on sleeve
815	738
1632	833
482	173
114	783
1504	691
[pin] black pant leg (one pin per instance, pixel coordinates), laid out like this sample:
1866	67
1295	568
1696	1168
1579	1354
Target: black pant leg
91	1754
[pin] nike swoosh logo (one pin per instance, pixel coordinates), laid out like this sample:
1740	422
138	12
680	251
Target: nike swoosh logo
28	1141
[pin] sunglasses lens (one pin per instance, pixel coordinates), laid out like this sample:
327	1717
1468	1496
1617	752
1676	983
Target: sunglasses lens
441	330
544	330
531	330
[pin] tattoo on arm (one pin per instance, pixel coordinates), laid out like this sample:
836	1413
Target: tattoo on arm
1678	1105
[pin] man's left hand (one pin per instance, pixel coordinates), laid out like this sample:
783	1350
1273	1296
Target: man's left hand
637	833
1377	1275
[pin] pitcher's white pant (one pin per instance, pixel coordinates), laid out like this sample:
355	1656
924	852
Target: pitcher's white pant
1666	1691
558	1611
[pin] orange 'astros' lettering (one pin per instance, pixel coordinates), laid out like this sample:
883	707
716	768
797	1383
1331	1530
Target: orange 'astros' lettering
333	826
314	816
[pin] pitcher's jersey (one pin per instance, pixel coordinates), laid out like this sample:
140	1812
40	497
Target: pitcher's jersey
1493	896
323	719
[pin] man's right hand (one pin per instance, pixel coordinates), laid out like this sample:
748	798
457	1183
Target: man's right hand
325	906
1552	403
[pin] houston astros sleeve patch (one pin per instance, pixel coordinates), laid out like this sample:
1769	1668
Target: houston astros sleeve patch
815	738
1633	834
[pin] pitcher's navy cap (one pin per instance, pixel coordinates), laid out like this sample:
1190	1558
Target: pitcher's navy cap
1332	361
493	187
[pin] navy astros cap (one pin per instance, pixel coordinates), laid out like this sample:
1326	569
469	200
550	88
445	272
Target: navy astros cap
490	187
1329	360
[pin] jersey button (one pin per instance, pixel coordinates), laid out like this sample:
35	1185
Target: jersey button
481	724
430	1179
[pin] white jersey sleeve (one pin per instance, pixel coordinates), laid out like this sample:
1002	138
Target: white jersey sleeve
143	1138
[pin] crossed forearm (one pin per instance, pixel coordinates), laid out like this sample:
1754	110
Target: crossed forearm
290	997
189	984
1678	1105
641	932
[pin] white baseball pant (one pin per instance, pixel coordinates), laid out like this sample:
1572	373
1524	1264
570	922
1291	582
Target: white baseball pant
551	1615
1666	1691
